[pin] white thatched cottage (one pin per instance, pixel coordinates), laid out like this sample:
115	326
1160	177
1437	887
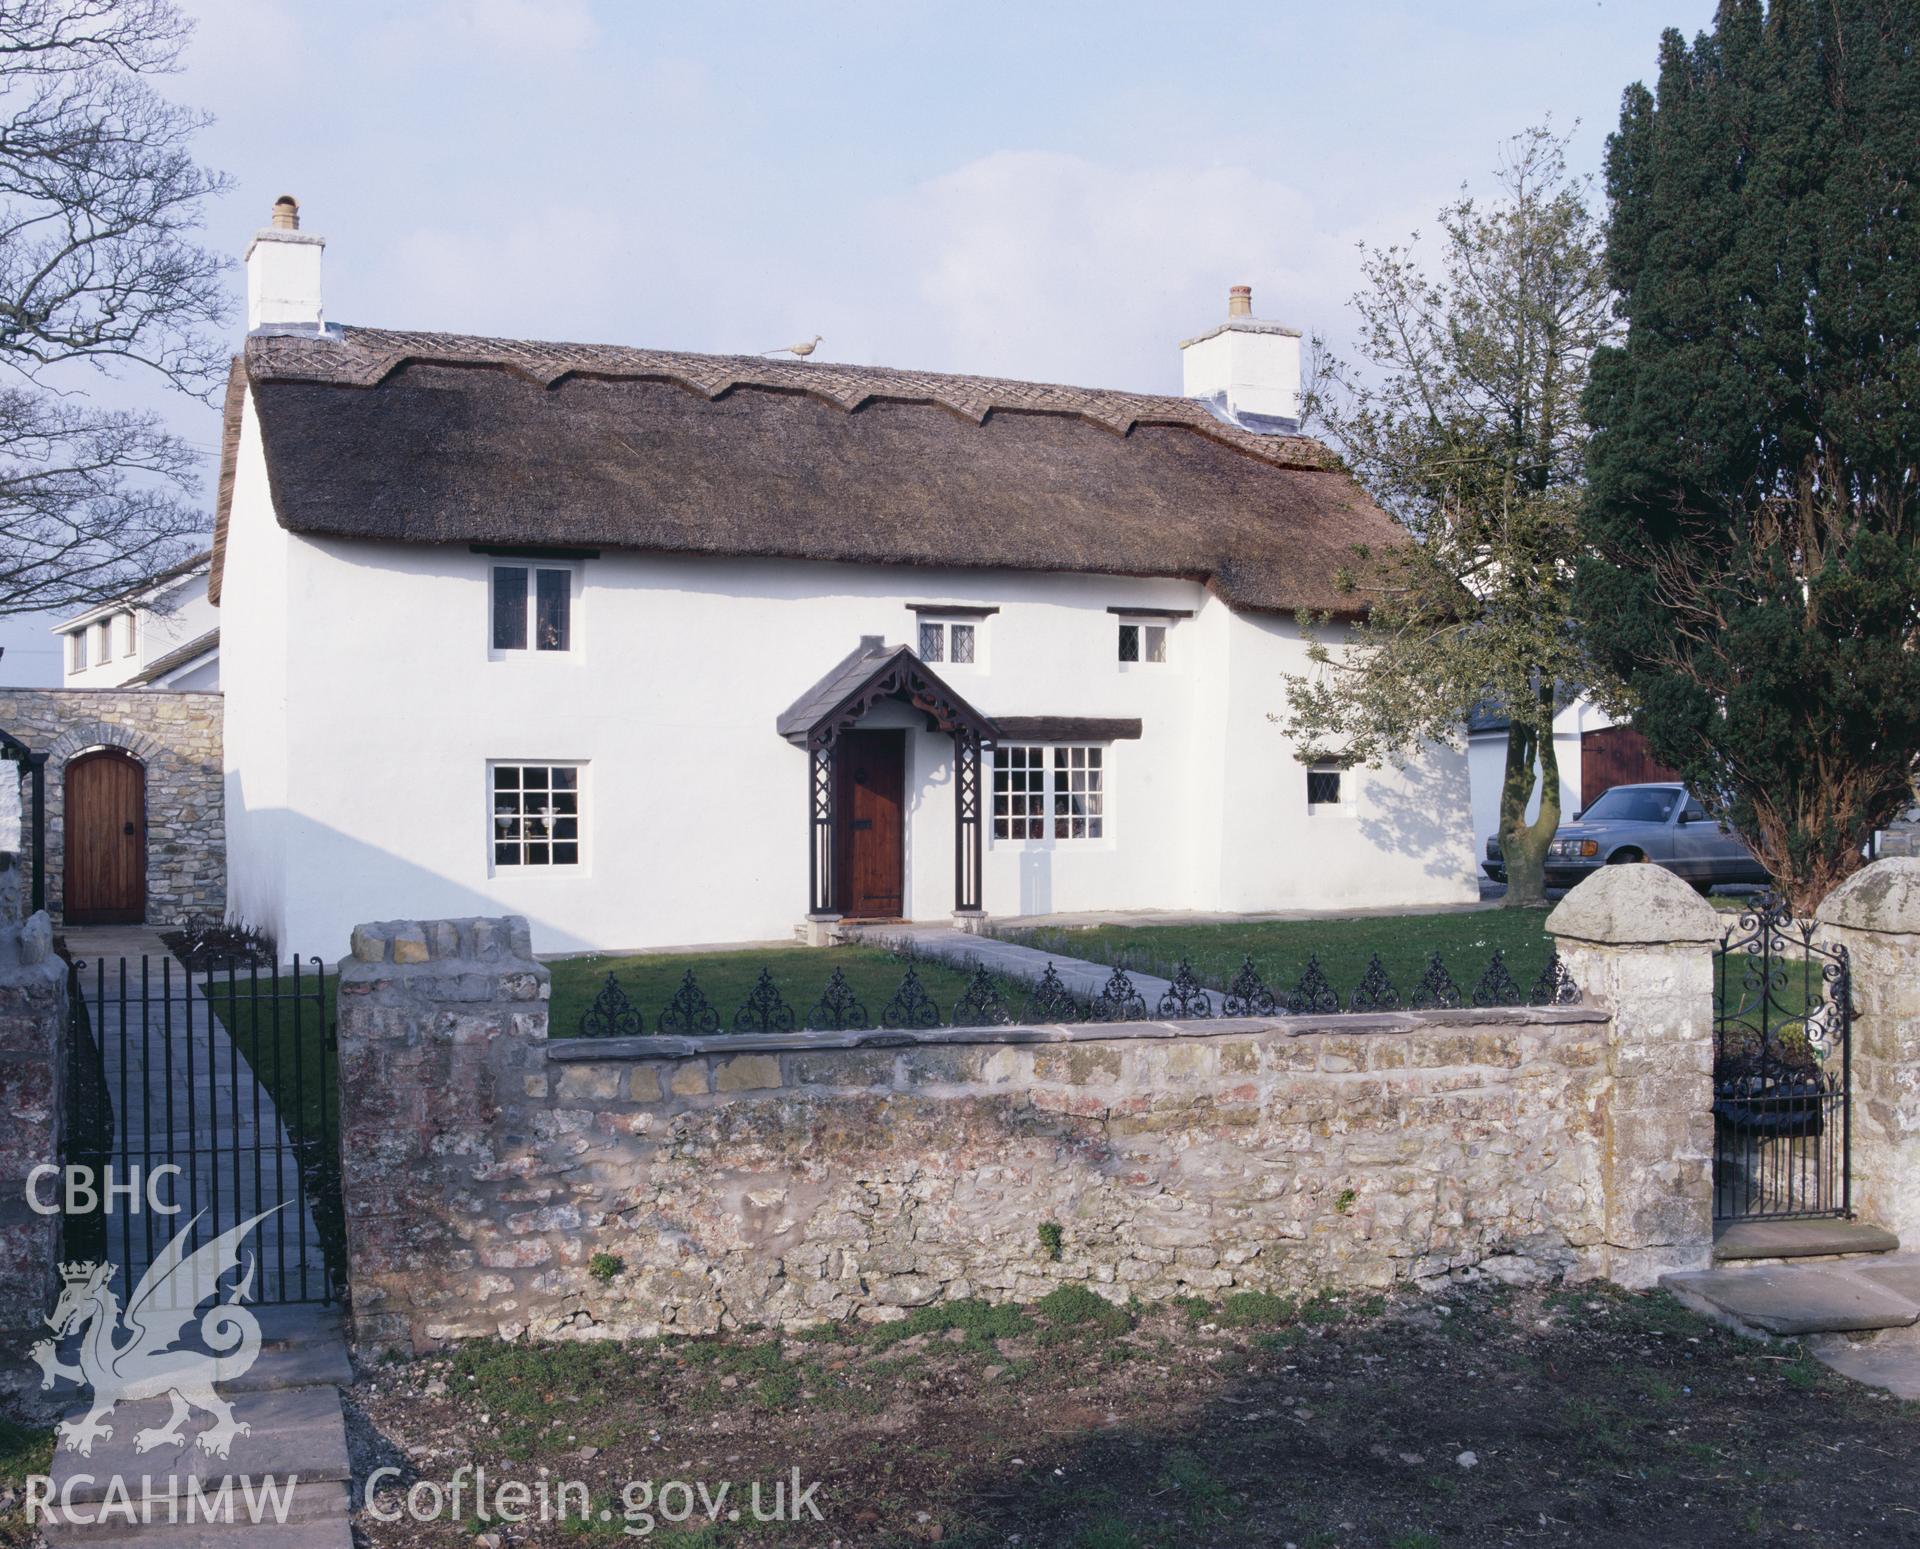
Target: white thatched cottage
663	648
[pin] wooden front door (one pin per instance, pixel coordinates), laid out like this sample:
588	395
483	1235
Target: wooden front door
106	840
872	768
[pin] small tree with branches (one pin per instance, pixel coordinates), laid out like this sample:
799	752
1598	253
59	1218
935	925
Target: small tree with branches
100	199
1461	417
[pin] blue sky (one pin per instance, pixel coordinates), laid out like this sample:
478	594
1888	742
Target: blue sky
1049	190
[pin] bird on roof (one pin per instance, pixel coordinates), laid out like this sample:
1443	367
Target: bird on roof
802	350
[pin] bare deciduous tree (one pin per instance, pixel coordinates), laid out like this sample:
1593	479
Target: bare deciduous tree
100	200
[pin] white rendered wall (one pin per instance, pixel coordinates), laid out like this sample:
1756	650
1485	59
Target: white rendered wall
263	866
357	784
174	615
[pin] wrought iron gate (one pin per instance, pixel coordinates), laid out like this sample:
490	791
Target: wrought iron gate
226	1078
1782	1078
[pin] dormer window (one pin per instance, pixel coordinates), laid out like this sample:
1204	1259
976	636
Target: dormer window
533	607
1143	642
951	633
943	640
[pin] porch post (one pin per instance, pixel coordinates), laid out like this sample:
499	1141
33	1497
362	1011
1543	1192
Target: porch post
967	906
38	763
821	915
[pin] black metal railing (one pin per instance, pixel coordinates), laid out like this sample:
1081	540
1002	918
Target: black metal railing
1782	1070
86	1128
990	1001
227	1076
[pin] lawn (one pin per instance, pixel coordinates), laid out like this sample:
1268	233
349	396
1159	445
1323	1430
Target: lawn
1280	949
1476	1415
650	980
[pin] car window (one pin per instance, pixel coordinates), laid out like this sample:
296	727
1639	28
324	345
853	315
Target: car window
1695	813
1628	804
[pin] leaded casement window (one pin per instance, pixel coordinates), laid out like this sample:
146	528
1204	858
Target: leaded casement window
943	640
1056	793
1323	786
536	814
1140	642
532	606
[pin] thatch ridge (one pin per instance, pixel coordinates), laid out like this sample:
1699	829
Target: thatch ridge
438	438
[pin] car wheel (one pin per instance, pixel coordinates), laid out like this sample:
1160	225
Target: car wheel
1628	857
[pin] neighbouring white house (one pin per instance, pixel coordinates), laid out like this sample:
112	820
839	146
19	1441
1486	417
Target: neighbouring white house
163	635
659	648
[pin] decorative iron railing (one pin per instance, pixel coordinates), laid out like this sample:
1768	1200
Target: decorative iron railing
1782	1069
988	1001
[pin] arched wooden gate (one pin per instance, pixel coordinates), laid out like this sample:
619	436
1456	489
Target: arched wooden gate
105	828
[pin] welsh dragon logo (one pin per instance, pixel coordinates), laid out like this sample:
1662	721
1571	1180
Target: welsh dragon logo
126	1359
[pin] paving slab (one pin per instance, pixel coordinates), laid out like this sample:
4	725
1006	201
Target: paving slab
1898	1273
297	1433
328	1533
1896	1368
1795	1299
1799	1239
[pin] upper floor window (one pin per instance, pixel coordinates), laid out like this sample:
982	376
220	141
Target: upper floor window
1141	641
130	634
77	651
103	641
532	606
947	640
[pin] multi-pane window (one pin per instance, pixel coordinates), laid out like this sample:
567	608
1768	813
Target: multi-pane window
1019	792
1041	793
103	640
532	603
1143	642
1323	788
536	815
78	650
131	632
941	641
1079	795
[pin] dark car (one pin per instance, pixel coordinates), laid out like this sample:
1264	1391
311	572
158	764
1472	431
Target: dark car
1658	823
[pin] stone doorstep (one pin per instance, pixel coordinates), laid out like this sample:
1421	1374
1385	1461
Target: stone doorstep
297	1432
1795	1299
1750	1240
318	1519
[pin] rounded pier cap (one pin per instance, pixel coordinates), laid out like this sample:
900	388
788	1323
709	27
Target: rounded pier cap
1882	897
1644	905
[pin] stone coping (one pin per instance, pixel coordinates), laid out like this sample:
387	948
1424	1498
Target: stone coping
671	1047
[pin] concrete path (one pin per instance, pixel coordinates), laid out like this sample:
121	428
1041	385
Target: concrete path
1026	965
289	1398
183	1091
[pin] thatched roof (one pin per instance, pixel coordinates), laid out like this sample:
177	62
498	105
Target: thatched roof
438	438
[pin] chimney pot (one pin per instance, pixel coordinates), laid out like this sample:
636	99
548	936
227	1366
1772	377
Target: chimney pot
286	213
1240	301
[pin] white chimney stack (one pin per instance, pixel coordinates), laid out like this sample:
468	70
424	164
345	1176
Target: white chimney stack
1247	370
283	271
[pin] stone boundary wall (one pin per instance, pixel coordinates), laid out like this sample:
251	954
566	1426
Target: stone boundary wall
33	1014
177	737
788	1179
